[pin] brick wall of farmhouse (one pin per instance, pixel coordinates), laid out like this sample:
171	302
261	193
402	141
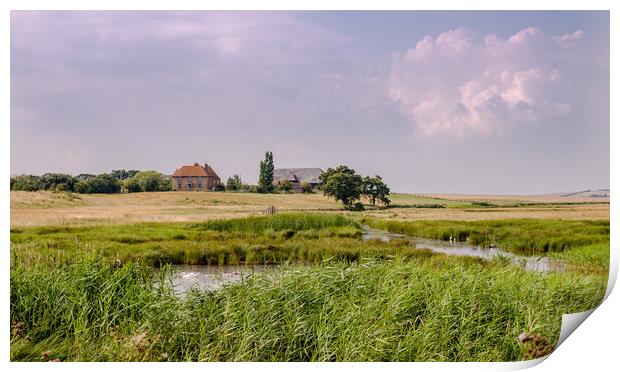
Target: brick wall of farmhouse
198	183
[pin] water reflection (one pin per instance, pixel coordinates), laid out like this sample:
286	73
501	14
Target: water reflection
208	278
533	263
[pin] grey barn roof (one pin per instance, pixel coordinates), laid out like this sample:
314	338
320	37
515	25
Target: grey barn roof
310	175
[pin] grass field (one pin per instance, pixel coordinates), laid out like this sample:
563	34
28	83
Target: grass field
48	208
82	284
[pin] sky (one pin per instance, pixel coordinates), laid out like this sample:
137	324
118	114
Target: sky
513	102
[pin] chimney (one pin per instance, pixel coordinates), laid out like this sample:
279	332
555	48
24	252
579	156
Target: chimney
195	164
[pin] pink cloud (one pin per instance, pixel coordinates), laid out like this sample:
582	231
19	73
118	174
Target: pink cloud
460	84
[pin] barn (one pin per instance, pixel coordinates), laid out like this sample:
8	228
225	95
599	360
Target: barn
297	177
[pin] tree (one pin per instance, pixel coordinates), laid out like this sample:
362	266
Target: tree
374	188
234	183
121	174
265	179
26	183
48	181
147	181
341	184
84	176
101	184
57	181
132	185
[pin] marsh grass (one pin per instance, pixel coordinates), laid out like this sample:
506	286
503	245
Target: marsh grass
520	235
431	308
278	222
87	293
255	240
591	258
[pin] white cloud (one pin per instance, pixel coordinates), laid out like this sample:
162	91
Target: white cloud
460	83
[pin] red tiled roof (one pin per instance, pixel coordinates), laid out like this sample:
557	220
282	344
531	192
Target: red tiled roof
195	171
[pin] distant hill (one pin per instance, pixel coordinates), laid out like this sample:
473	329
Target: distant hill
600	193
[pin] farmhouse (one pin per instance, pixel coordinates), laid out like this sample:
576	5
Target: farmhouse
195	178
297	177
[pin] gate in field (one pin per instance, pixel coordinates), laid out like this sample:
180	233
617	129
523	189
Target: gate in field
270	211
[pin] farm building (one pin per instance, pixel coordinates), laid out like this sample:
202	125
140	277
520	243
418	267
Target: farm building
297	176
195	178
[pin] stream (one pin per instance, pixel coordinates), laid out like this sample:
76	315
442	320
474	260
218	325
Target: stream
454	248
210	278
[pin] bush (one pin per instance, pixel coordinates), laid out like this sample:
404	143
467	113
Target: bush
306	188
234	183
219	187
62	187
249	188
285	186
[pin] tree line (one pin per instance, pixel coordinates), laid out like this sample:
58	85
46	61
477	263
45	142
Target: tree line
104	183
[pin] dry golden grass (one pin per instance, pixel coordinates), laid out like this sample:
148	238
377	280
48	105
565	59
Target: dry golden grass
48	208
572	212
551	198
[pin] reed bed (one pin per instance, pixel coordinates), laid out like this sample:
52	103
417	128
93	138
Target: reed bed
520	235
432	308
278	222
254	240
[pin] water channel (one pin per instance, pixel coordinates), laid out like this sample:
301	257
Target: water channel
454	248
184	277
